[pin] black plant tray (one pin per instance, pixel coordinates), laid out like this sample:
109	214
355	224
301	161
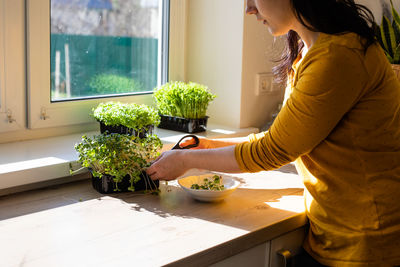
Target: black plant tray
120	129
183	124
106	184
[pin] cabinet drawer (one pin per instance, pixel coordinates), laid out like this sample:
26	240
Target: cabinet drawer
291	242
257	256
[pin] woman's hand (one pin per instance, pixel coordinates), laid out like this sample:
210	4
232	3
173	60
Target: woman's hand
211	154
174	163
168	166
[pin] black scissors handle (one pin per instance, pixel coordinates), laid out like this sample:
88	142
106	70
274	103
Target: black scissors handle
178	145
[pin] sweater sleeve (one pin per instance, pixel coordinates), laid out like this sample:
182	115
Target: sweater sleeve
327	86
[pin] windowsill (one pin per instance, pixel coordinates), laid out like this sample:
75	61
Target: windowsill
35	162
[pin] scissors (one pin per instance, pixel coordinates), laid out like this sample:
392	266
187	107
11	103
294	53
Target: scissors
178	145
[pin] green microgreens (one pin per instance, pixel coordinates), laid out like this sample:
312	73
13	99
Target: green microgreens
118	155
214	183
185	100
132	115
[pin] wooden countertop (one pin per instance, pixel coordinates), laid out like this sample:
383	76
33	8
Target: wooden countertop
73	225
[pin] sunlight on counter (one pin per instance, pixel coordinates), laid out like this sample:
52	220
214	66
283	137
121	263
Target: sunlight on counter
289	203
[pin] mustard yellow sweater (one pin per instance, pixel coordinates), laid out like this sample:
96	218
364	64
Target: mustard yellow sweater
341	123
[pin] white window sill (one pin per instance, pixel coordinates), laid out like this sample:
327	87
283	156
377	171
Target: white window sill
37	161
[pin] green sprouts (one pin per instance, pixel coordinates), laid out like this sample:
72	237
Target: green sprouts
118	155
214	183
185	100
132	115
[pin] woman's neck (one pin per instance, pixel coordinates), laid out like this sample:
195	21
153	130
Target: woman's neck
308	37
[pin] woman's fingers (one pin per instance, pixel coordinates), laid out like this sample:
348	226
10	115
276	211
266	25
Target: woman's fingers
151	171
168	166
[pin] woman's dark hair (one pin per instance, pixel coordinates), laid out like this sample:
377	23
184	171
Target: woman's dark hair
327	16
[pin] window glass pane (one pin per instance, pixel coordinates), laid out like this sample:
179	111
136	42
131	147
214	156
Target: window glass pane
103	47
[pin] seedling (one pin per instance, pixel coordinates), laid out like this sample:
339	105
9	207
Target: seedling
119	155
185	100
213	183
134	116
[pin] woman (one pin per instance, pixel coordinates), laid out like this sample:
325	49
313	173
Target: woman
340	124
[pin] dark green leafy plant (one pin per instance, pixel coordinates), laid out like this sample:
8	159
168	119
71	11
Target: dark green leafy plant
105	84
118	155
185	100
389	36
132	115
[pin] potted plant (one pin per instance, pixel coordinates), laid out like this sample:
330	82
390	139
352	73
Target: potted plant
133	119
183	106
388	36
117	161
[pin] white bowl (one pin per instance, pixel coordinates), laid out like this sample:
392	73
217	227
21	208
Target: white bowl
230	184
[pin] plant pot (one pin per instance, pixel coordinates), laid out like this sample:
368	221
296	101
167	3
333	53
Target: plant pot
106	184
120	129
183	124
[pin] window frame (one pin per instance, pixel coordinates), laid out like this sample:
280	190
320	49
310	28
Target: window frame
43	113
12	66
178	21
2	54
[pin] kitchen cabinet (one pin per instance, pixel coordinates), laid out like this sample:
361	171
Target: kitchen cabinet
268	253
290	242
257	256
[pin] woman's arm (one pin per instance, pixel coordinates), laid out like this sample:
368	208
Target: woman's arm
206	143
174	163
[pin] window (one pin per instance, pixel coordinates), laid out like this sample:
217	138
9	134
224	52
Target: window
80	53
102	47
29	97
86	50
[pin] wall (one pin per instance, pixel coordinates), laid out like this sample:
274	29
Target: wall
375	6
214	54
225	50
379	7
260	49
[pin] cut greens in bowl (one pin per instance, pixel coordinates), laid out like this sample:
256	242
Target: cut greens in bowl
212	183
209	187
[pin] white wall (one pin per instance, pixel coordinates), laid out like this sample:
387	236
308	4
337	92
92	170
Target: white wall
260	50
214	54
377	7
225	49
